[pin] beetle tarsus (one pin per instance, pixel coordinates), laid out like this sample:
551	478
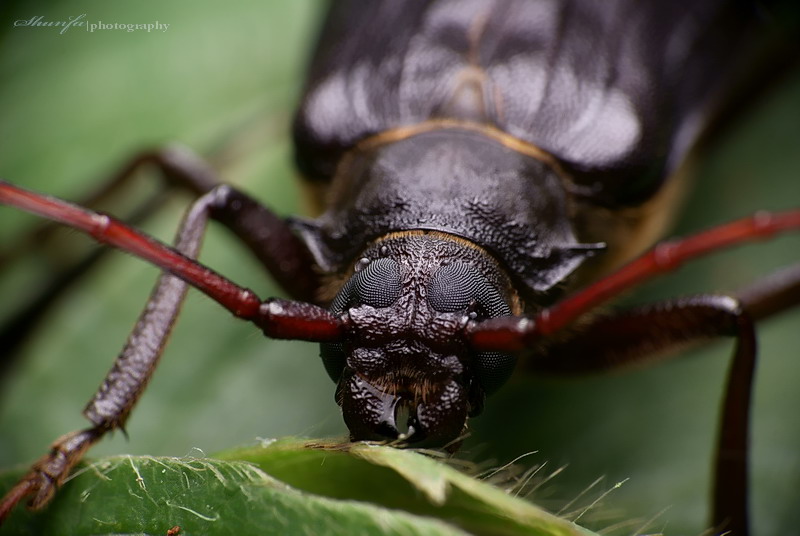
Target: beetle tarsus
50	471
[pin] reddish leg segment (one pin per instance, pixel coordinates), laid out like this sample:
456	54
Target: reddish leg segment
123	385
647	333
518	333
277	318
264	233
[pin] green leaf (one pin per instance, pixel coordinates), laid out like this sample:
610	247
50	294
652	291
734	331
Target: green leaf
284	487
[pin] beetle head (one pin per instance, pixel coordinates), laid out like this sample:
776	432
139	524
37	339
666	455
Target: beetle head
406	371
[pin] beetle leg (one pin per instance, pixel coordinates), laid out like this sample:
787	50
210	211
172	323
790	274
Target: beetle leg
47	474
632	337
605	342
772	294
636	336
281	252
123	385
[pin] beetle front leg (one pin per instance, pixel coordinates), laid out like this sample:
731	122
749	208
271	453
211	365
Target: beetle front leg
111	405
113	402
50	471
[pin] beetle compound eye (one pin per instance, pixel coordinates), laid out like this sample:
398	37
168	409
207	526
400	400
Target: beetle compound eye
493	369
378	285
455	286
333	358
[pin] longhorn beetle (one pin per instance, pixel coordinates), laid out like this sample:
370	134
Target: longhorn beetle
458	107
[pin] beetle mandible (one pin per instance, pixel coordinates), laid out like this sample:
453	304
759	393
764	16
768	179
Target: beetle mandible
502	250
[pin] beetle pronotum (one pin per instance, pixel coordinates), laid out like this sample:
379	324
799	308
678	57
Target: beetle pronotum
731	215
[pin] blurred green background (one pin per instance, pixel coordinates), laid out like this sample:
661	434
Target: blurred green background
224	80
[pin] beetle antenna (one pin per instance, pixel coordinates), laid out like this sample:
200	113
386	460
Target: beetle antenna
517	333
281	319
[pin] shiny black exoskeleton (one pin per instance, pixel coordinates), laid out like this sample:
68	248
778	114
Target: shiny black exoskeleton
475	154
411	290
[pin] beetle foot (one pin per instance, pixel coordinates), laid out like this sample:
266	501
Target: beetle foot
50	471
